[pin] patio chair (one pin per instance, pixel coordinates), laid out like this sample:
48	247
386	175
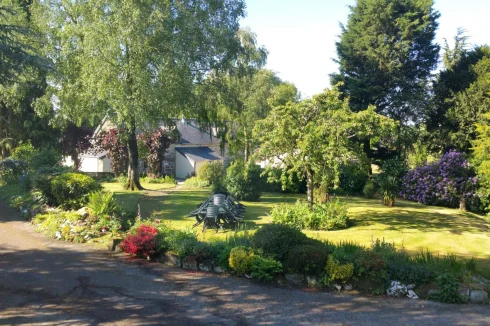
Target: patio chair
211	218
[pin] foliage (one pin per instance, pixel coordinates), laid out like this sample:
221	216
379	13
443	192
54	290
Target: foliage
307	259
386	54
181	242
11	170
75	140
166	180
24	152
353	177
46	158
63	226
449	182
111	142
279	180
370	189
337	272
241	260
481	152
214	173
195	182
143	243
389	189
329	216
70	190
102	203
448	289
313	137
139	77
264	269
276	240
156	144
243	180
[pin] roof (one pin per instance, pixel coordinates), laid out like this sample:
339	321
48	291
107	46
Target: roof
191	133
199	154
96	155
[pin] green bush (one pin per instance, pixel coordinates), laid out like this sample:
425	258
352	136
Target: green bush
214	173
277	180
276	240
328	216
307	259
161	180
448	289
70	190
25	153
337	272
353	177
195	182
244	181
45	158
11	170
264	269
62	226
102	203
370	189
181	242
241	260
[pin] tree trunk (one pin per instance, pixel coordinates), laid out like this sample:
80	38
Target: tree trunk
133	172
247	148
309	187
366	144
462	204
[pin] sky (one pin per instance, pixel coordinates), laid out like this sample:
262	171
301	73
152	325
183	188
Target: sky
300	35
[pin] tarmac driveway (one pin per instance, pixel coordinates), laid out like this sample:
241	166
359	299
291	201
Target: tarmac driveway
43	281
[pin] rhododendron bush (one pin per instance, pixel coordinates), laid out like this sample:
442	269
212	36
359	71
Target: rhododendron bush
143	243
449	182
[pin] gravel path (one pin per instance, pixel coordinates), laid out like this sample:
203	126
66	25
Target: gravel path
43	281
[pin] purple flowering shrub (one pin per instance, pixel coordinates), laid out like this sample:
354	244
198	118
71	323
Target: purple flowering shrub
450	182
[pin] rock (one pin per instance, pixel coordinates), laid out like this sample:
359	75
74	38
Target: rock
190	262
348	287
397	290
218	269
205	267
83	212
478	296
247	275
295	278
464	292
412	295
337	286
113	243
171	259
312	281
410	286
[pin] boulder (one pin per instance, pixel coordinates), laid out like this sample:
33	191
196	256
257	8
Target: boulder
312	281
478	296
171	259
218	269
206	267
412	295
410	286
83	212
190	262
337	286
348	287
397	290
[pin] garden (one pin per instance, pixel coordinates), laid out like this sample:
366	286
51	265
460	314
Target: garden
351	241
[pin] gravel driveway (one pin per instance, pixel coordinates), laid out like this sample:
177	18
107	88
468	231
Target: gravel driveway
43	281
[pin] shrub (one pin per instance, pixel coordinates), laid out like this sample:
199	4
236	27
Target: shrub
277	240
63	226
370	189
162	180
448	289
307	259
25	153
388	187
214	173
244	181
11	170
328	216
353	177
337	272
278	180
143	243
241	260
102	203
70	190
195	182
181	242
450	182
46	158
264	269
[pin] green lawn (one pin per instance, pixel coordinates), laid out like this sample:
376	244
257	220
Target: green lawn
409	225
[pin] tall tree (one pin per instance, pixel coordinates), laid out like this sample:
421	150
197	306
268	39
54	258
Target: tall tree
313	137
139	59
386	53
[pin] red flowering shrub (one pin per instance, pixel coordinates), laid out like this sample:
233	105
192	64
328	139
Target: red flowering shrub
143	243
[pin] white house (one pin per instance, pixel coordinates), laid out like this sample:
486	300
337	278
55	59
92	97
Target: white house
191	147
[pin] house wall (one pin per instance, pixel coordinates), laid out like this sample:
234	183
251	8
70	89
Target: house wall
89	164
184	166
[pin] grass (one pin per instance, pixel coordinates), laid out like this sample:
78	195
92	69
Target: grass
412	226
